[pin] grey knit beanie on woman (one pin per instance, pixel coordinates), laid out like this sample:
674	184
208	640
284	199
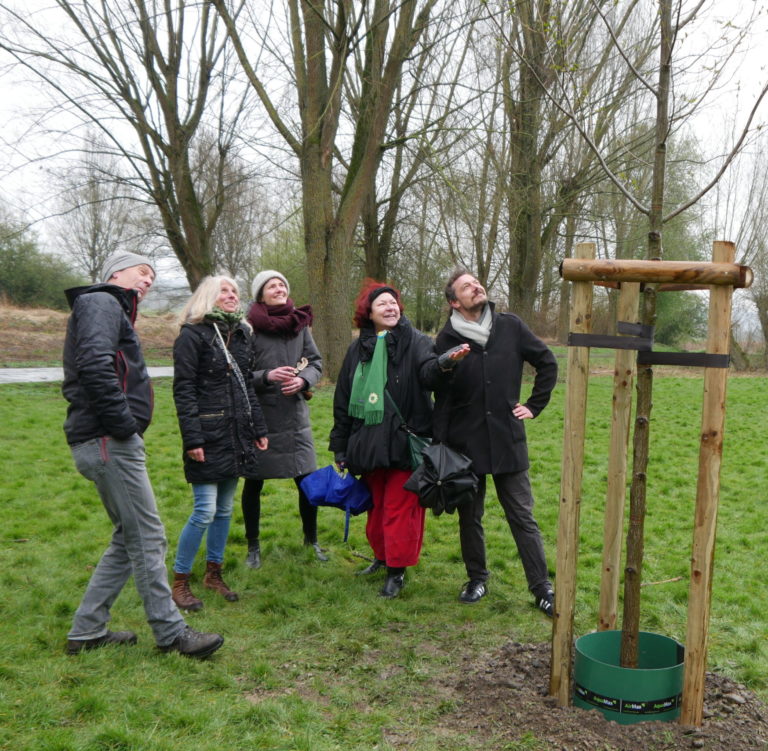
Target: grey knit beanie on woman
120	260
262	278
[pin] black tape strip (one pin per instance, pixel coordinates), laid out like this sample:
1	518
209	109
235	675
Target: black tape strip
635	329
609	341
686	359
627	706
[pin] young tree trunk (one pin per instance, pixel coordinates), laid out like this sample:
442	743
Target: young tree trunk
641	438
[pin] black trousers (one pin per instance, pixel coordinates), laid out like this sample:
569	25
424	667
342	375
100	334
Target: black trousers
516	498
251	505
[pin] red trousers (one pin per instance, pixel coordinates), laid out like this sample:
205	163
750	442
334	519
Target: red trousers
395	527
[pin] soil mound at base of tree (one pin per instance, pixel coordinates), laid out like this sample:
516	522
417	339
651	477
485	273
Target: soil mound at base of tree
503	698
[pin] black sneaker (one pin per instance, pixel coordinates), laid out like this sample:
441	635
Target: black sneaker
191	643
392	586
473	590
320	553
377	565
546	602
253	559
75	646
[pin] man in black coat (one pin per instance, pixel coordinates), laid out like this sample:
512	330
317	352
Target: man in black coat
110	406
479	413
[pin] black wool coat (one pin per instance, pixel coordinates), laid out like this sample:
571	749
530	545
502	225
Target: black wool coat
473	405
211	405
412	371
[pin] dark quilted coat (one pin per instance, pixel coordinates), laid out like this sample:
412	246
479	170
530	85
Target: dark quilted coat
212	407
105	379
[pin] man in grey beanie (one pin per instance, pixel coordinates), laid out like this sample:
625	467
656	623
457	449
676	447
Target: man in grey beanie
122	260
110	406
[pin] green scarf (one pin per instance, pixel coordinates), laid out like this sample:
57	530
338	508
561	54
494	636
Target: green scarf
366	402
230	319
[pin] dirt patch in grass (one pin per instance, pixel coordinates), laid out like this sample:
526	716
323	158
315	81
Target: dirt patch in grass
503	698
36	336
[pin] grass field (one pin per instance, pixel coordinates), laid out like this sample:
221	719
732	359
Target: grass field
313	659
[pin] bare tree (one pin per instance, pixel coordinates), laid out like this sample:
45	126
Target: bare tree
337	173
97	215
147	75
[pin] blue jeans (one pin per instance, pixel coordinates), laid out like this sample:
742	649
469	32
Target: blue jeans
212	512
138	543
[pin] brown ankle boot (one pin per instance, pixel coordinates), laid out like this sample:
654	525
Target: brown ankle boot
182	594
213	580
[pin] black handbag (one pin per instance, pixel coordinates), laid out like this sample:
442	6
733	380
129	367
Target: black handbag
416	443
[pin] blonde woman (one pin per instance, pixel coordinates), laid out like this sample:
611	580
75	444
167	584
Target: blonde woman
221	425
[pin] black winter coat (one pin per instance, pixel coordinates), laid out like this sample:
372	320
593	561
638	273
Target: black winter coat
105	379
212	409
473	406
412	371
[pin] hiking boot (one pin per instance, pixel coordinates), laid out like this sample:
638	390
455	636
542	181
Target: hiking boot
75	646
182	594
545	601
473	590
319	552
377	565
392	586
212	580
191	643
253	559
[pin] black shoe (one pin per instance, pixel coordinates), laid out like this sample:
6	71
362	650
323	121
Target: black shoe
253	559
191	643
545	601
473	590
319	552
75	646
392	586
377	565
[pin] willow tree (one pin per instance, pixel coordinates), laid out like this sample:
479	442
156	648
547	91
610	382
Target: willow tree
146	76
313	49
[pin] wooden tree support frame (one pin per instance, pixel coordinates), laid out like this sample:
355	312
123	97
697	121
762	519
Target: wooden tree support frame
721	276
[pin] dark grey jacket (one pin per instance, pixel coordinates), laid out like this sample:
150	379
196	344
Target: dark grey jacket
105	379
291	451
473	406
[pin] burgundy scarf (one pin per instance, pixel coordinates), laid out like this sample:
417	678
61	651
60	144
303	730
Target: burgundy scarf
281	320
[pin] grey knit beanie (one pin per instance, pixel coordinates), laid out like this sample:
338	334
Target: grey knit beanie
120	260
262	278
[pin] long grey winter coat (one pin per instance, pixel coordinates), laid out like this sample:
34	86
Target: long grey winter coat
291	451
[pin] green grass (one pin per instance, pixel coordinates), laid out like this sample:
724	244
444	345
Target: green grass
313	658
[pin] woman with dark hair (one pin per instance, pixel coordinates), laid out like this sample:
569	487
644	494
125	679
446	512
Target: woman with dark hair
385	381
286	366
221	425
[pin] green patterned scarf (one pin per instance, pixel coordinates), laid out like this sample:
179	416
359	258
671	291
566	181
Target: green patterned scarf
366	402
230	319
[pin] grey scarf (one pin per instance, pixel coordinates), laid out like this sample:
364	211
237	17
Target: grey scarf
474	331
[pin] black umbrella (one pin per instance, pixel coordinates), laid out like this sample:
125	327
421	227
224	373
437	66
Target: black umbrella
444	480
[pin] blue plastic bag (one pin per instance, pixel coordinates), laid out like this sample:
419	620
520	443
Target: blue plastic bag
329	487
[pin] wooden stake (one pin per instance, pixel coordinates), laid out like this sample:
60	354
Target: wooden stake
707	499
570	489
613	530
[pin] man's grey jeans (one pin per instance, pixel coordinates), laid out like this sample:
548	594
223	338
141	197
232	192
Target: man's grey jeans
138	545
